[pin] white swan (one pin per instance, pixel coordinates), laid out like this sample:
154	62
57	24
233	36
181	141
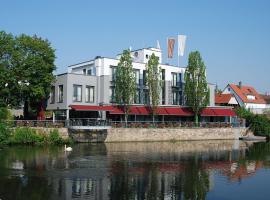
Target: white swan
68	148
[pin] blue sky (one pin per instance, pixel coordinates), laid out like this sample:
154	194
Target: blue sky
233	36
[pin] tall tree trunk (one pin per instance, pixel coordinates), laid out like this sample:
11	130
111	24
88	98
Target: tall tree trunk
26	109
196	119
41	111
126	118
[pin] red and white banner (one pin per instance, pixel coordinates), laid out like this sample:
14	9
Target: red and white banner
171	42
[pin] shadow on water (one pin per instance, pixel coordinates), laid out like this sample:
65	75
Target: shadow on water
179	170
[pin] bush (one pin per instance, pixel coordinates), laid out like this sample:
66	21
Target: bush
4	133
26	136
259	124
3	113
54	138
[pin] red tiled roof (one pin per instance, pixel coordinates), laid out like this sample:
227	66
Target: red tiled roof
247	90
223	98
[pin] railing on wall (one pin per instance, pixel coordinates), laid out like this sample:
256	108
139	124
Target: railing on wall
91	122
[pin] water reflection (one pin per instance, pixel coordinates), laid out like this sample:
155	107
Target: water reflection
184	170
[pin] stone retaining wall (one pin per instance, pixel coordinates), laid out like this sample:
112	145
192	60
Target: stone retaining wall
172	134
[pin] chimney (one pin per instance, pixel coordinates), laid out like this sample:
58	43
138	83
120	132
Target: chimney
240	85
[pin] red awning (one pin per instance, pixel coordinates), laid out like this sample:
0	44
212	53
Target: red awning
222	112
91	108
175	111
179	111
143	110
225	112
161	111
117	111
134	110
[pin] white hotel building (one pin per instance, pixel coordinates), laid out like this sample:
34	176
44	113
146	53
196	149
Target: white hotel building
87	91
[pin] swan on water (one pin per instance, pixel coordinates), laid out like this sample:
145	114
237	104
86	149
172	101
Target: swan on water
68	148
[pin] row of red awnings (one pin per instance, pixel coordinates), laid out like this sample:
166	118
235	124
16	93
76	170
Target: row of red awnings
144	110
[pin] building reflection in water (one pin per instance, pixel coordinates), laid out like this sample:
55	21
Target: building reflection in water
127	170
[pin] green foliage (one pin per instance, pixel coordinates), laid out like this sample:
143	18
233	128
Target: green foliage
54	138
25	60
259	124
125	86
26	136
196	89
153	82
3	113
4	133
30	136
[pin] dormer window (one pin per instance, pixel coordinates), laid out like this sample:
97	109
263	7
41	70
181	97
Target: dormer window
251	97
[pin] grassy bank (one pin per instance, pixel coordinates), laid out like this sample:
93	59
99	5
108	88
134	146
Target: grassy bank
259	124
28	136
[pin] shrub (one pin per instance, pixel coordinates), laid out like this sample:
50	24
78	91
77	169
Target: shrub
26	136
54	137
259	124
4	133
3	113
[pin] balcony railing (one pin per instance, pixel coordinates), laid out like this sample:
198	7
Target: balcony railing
92	122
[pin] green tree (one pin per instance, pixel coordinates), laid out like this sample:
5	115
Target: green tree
153	82
125	86
7	63
34	71
196	89
26	71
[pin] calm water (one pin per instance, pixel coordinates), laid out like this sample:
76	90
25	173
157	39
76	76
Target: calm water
185	170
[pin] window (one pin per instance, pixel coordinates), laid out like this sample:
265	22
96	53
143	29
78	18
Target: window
146	96
77	93
137	76
89	72
112	94
251	97
89	94
163	95
174	79
137	97
163	74
175	97
60	94
52	95
144	77
84	71
113	70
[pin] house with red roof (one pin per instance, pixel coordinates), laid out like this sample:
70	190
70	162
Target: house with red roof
247	97
226	100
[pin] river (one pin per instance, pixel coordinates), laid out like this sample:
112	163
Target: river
169	170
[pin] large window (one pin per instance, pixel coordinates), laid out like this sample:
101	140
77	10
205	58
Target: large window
174	79
60	93
175	96
137	76
112	94
52	95
77	93
137	96
113	70
144	77
89	94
